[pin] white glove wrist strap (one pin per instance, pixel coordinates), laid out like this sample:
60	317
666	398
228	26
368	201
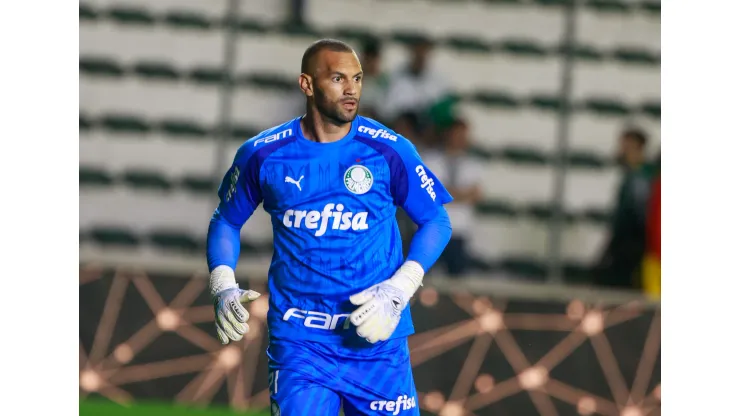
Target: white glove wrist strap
408	278
222	278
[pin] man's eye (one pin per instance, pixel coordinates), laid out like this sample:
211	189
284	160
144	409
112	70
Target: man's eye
337	79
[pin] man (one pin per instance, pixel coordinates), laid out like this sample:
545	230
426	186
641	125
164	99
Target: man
620	263
339	285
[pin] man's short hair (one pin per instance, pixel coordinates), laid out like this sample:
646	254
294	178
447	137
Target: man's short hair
636	134
318	46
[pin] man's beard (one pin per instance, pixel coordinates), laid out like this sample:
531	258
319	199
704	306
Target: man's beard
333	111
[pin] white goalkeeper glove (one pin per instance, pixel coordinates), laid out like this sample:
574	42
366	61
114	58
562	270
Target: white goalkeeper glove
380	306
231	316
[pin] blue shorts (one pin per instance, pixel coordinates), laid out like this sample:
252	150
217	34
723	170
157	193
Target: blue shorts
316	379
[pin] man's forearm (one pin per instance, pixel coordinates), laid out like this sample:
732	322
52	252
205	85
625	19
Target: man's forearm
223	243
430	240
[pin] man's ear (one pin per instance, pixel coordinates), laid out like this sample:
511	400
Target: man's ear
305	82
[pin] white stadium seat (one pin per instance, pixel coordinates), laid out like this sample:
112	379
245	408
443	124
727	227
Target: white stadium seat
521	184
173	158
624	82
612	30
498	238
581	243
130	44
209	8
265	108
270	52
153	100
499	128
590	189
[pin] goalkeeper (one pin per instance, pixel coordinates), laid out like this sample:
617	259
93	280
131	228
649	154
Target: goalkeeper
339	286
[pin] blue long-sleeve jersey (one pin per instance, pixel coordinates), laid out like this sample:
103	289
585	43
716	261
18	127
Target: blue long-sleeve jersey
333	208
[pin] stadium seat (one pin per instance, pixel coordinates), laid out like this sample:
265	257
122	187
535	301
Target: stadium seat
151	98
129	44
497	238
112	236
590	189
607	30
94	177
121	152
521	184
209	8
582	242
265	107
495	128
630	83
270	52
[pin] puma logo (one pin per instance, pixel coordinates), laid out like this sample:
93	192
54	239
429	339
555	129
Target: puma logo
297	183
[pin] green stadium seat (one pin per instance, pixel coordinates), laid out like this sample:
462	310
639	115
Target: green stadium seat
608	6
546	102
522	47
652	109
585	161
175	241
293	29
495	99
524	156
94	177
583	52
496	208
124	123
552	3
636	56
596	216
87	12
114	236
485	155
100	66
606	106
268	81
205	75
85	123
241	133
468	44
651	7
545	212
503	2
141	179
188	20
524	268
349	34
252	26
197	184
156	70
130	16
576	273
183	129
407	37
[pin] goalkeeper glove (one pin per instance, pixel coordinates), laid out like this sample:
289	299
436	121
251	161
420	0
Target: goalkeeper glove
380	306
231	316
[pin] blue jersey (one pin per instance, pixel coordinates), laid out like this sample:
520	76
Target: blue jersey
333	209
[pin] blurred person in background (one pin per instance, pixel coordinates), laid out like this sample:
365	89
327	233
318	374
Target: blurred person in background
651	265
462	174
375	81
621	260
417	88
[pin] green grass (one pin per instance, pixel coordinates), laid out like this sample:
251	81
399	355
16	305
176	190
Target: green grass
101	407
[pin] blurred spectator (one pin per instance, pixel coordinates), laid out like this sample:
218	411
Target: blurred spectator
651	266
620	263
461	175
416	88
374	81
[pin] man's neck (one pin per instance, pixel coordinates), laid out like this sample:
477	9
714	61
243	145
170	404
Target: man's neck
317	128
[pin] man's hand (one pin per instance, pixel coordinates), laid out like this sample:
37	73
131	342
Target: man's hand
231	315
380	306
